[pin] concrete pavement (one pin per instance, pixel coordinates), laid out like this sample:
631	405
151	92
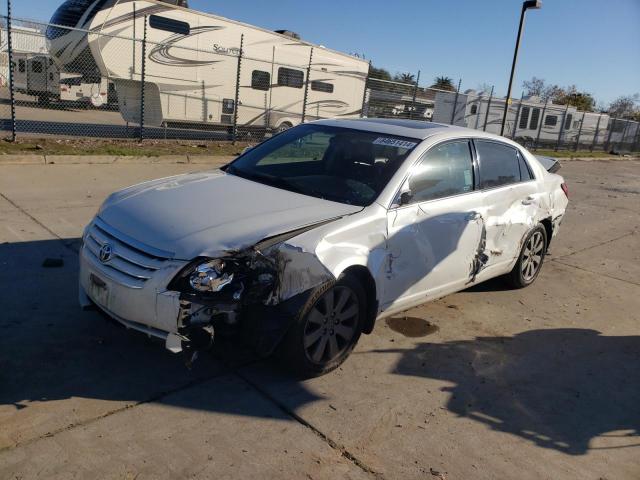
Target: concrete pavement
484	384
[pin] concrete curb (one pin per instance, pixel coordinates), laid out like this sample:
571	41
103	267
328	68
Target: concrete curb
111	159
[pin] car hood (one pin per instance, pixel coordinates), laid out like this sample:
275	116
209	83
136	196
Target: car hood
211	213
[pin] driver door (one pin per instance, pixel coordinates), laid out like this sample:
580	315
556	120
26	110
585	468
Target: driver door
435	228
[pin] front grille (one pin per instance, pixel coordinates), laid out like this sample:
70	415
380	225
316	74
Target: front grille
131	262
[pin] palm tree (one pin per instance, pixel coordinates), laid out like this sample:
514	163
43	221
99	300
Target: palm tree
406	78
444	83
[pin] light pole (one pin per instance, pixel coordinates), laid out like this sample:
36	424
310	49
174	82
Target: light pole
529	4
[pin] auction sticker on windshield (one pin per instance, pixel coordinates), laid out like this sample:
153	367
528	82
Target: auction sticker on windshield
394	142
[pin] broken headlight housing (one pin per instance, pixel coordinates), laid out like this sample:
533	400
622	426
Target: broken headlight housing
225	279
210	277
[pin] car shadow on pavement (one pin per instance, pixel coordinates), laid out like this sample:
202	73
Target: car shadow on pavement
51	350
558	388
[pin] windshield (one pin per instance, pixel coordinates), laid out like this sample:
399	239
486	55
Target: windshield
338	164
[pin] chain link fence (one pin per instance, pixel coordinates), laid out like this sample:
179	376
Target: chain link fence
67	82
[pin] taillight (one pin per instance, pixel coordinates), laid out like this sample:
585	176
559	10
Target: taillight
565	189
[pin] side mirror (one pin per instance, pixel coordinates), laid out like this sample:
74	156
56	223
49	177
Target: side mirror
405	198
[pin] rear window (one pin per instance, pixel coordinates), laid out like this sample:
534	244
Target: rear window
499	164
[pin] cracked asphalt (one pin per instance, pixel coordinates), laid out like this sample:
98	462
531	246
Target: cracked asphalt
485	384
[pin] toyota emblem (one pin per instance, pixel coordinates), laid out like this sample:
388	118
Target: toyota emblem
105	253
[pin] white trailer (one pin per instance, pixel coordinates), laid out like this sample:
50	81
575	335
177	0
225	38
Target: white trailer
192	65
529	120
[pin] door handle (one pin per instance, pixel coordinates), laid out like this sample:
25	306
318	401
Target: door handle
528	201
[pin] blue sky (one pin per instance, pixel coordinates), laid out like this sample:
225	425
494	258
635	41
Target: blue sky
592	43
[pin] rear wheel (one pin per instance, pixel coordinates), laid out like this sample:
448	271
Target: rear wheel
283	127
327	329
531	258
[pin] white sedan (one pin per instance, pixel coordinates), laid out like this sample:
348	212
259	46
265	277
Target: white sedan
305	241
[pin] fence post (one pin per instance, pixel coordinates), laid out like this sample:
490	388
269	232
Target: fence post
595	135
306	87
606	144
561	129
237	96
12	99
364	94
544	110
579	132
636	137
486	115
515	122
455	103
415	93
624	134
143	77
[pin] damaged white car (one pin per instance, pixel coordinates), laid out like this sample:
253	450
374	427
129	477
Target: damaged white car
306	240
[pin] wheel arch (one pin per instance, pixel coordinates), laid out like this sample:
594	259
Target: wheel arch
364	276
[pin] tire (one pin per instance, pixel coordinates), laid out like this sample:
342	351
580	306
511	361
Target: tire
528	266
307	346
283	127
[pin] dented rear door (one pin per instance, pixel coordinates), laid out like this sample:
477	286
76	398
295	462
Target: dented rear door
511	201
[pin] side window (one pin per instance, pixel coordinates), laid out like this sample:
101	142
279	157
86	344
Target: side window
525	173
260	80
444	171
169	25
535	118
474	110
288	77
21	66
524	117
550	120
319	86
499	164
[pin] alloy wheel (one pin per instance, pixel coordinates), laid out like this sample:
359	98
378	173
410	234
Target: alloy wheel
331	325
532	256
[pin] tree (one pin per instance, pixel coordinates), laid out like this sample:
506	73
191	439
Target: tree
625	106
379	73
444	83
405	78
571	96
535	87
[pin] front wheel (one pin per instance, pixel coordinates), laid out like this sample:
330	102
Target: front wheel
327	328
531	257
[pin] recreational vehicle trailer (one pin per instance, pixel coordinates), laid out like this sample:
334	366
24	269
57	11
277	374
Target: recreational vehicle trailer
528	120
38	76
192	65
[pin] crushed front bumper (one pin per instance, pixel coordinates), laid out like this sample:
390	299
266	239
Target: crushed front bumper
147	307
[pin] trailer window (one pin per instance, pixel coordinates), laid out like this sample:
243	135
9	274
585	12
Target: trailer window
550	120
319	86
21	66
36	67
535	118
169	25
567	122
228	105
524	117
474	109
260	80
287	77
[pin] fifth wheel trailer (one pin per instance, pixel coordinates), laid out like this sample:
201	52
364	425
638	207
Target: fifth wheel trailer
191	65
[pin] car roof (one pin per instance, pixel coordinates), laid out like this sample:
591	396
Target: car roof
417	129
